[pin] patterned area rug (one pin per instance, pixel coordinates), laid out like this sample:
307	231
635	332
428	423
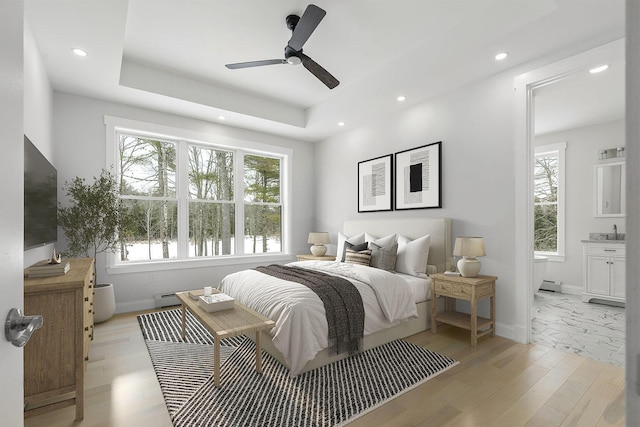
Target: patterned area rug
329	396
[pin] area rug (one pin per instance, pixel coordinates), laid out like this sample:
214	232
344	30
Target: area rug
329	396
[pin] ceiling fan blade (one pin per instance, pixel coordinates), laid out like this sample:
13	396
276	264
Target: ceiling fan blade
323	75
255	63
305	27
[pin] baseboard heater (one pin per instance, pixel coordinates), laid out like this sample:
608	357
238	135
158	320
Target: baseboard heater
550	285
166	300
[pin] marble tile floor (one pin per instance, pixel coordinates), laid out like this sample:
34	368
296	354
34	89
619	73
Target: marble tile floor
592	330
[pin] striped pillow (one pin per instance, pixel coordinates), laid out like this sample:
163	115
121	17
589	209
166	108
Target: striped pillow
358	257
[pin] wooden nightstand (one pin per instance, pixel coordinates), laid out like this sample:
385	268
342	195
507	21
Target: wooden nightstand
316	258
470	289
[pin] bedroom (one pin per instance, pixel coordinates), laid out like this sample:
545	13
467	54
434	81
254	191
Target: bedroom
72	133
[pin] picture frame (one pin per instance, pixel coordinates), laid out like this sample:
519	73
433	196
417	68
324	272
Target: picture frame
419	177
375	184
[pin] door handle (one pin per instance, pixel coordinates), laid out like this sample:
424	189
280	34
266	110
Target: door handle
19	328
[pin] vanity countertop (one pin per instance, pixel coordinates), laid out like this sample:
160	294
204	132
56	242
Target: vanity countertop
604	241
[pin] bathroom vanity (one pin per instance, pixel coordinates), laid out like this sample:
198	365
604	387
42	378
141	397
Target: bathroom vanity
603	270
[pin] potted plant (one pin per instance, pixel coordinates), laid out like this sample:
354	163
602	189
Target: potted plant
90	223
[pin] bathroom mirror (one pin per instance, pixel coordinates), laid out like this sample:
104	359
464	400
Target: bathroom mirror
610	189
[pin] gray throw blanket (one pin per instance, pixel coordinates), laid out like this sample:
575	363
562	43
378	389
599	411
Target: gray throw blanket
341	299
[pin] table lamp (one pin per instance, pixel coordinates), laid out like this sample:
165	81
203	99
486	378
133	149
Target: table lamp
469	248
318	238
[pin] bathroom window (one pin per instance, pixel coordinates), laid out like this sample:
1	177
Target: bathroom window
548	199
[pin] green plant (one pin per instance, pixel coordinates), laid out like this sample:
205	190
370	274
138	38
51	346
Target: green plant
91	221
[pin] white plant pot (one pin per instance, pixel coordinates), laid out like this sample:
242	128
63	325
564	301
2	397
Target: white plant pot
104	302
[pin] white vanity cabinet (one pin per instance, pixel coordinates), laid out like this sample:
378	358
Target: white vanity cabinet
604	271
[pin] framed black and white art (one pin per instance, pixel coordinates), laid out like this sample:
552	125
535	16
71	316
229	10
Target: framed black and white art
375	185
419	177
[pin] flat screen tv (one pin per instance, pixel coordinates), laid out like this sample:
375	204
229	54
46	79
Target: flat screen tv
40	198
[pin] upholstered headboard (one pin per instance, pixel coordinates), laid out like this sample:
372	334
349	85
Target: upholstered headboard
438	228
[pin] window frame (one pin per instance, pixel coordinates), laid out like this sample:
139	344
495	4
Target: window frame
116	125
558	149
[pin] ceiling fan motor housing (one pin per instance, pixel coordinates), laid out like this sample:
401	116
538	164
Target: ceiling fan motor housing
292	21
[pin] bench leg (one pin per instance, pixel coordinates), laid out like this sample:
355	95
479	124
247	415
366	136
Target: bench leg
216	362
184	321
258	353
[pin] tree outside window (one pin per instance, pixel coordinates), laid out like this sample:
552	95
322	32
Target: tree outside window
262	207
546	175
202	219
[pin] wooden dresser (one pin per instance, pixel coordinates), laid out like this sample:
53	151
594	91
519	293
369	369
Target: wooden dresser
55	358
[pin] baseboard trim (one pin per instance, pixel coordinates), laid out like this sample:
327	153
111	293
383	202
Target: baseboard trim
139	305
506	331
572	290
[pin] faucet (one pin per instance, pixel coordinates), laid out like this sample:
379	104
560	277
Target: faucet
615	232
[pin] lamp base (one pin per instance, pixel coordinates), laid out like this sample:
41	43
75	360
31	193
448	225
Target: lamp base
318	250
469	266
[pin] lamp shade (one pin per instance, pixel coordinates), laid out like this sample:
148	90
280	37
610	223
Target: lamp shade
469	247
319	237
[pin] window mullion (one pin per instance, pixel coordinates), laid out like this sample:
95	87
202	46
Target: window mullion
238	198
182	189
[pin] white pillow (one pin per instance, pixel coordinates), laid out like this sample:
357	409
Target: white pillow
354	240
412	255
382	241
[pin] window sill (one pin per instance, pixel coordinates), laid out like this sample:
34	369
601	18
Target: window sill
553	257
183	264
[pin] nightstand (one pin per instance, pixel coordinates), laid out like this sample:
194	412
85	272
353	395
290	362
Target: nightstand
316	258
470	289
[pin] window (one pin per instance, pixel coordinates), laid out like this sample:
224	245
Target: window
188	199
548	199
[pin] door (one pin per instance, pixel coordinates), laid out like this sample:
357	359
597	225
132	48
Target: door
618	277
11	208
598	275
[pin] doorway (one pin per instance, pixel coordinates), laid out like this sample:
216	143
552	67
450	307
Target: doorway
526	86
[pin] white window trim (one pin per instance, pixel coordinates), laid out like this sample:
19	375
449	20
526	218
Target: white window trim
113	125
560	148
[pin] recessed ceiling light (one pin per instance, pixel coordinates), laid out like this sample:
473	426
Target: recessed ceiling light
222	118
501	56
79	52
401	98
340	123
599	69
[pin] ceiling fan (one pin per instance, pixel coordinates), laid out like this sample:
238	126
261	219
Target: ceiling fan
301	28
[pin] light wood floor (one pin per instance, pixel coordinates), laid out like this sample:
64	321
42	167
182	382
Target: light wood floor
497	383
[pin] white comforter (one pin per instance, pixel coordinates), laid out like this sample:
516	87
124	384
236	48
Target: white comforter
301	324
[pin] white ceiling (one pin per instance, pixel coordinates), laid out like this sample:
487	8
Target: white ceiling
581	99
169	55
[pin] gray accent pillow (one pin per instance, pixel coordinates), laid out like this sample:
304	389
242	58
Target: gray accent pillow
384	258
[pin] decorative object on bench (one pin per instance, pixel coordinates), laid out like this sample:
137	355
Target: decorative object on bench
216	302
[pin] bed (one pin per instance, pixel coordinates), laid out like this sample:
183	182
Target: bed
396	304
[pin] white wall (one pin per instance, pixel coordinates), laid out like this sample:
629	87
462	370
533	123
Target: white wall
38	104
79	137
475	124
583	145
